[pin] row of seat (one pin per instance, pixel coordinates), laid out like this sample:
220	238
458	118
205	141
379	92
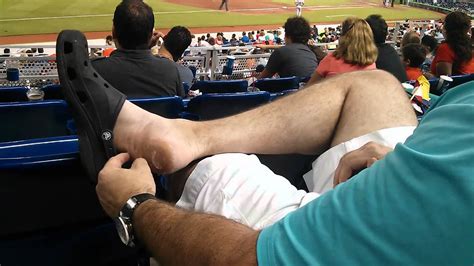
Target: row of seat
42	133
272	85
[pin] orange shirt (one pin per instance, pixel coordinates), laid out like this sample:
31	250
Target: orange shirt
444	53
413	73
331	66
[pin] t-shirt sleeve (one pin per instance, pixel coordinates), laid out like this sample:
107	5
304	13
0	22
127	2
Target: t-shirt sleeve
324	66
444	54
414	207
275	61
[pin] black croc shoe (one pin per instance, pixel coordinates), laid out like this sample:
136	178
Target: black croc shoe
94	103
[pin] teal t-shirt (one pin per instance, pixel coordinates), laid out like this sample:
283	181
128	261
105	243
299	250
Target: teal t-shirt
414	207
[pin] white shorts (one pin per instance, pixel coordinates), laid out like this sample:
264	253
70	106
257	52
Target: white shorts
239	187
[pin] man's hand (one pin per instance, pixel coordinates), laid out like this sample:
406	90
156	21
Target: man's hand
357	160
155	37
116	184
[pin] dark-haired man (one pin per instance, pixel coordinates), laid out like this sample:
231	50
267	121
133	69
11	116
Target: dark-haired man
295	58
388	58
175	43
132	69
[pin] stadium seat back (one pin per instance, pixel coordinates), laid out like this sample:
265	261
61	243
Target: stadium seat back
274	85
212	106
220	86
461	79
40	152
52	92
28	120
169	107
13	94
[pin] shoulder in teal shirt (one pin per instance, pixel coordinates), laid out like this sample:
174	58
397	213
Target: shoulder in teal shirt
414	207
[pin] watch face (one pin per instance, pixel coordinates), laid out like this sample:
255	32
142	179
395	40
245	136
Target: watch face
122	231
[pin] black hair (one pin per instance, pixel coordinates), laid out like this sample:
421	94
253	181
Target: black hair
133	24
430	42
6	50
297	29
379	28
40	50
177	41
457	24
414	52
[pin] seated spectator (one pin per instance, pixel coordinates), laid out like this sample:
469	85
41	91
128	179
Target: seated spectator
356	51
387	59
410	37
109	40
219	39
295	58
202	42
233	41
244	38
132	69
454	56
431	44
251	37
175	43
414	55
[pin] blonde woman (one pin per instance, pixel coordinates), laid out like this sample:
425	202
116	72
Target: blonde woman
356	51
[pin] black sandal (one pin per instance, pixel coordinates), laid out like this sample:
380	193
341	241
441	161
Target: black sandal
94	103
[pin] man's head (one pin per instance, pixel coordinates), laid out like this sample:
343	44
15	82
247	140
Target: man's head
133	24
414	54
297	29
429	42
379	28
177	41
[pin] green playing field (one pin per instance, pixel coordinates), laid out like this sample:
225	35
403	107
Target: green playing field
21	17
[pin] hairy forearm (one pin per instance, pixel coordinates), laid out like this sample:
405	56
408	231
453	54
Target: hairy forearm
178	237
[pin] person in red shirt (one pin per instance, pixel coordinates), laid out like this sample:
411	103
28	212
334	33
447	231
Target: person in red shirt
454	56
356	51
414	55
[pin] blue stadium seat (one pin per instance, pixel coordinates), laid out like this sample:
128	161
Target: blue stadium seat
185	88
274	85
461	79
220	86
169	107
40	152
28	120
212	106
52	92
13	94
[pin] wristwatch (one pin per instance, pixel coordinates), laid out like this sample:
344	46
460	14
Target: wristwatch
123	222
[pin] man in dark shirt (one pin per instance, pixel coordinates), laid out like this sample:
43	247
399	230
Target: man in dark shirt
175	43
295	58
132	69
388	59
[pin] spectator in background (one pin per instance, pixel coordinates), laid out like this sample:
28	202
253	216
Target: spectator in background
202	42
6	52
356	51
387	59
109	40
244	38
132	69
414	55
233	40
251	37
430	44
175	43
219	39
410	37
295	58
454	57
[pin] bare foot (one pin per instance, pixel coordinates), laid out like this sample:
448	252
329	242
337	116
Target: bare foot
167	144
